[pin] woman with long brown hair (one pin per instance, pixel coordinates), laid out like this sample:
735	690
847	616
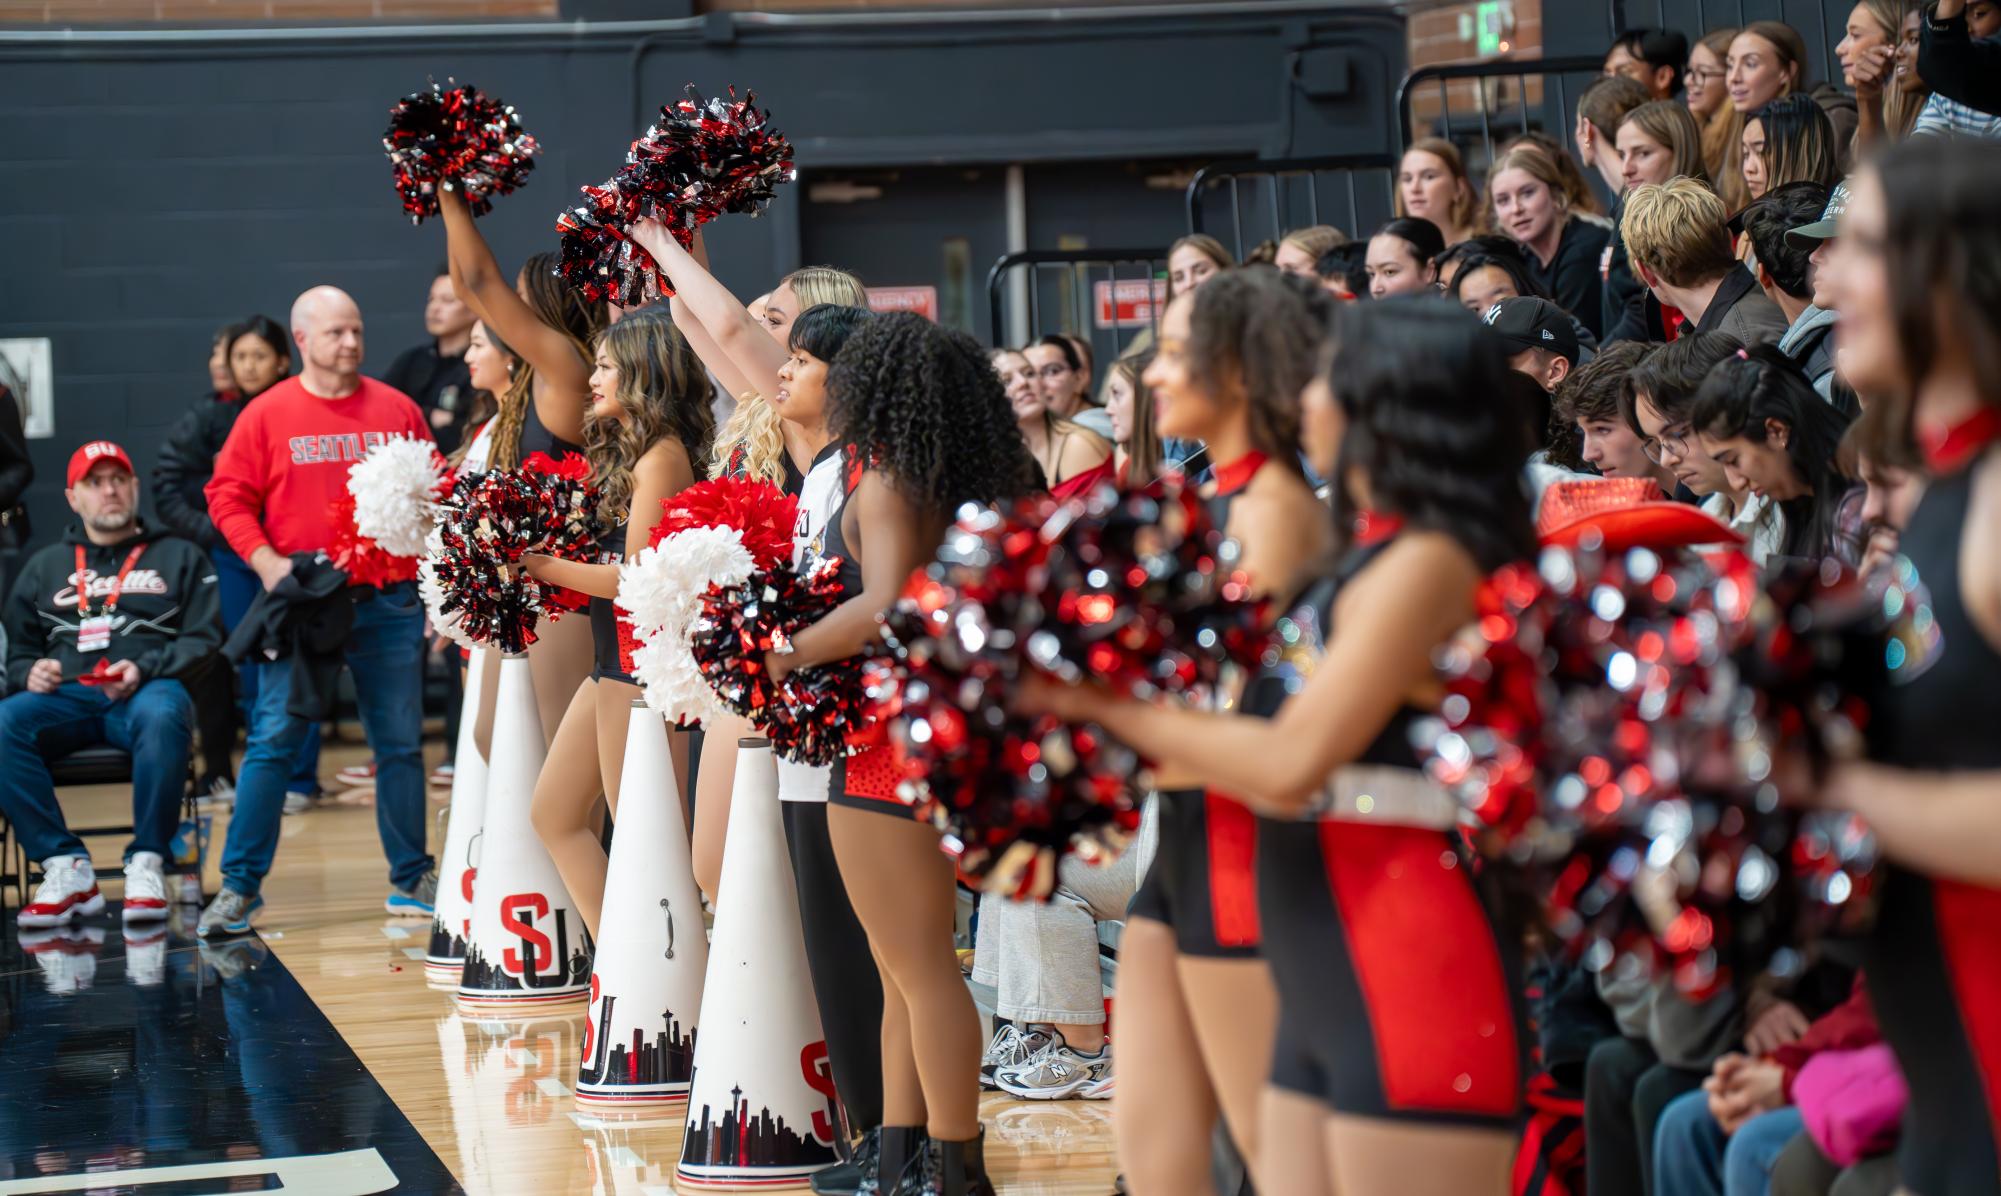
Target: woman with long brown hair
1432	184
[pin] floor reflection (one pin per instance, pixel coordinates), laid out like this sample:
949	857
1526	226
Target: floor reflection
128	1052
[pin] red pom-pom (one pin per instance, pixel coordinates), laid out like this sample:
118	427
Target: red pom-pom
764	514
702	158
455	137
362	559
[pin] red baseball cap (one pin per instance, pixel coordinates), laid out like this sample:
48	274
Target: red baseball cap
83	460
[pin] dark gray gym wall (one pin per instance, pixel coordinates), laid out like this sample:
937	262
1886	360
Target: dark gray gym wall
154	185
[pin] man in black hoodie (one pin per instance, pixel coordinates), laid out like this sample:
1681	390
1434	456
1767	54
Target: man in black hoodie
98	629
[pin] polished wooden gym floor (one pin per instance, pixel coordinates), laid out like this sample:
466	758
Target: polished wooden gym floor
490	1100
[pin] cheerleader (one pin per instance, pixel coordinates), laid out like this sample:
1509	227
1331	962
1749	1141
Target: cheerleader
1196	1010
649	423
745	349
1917	276
929	429
1397	1065
551	330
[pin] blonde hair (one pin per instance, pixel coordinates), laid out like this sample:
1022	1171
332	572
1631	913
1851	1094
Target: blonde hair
1578	198
665	393
1678	230
1670	125
1900	108
752	442
1315	240
1723	133
1468	213
1531	160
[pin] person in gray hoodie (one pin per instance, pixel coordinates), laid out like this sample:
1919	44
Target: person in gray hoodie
1784	272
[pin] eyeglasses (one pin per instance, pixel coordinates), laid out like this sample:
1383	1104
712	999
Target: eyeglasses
1672	440
1704	74
1054	369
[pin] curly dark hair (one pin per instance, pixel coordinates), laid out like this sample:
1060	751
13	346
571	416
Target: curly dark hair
924	405
1262	330
1416	382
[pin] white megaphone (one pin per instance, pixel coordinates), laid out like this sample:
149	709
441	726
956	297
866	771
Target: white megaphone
528	948
451	923
762	1111
652	950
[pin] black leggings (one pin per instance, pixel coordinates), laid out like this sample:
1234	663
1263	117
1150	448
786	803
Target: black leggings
211	684
845	983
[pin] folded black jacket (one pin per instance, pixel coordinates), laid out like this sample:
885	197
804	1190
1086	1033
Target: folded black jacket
168	615
307	617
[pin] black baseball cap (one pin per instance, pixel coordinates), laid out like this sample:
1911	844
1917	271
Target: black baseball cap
1527	322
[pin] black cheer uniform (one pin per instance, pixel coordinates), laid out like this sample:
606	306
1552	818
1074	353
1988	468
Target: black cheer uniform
1934	961
610	660
1398	996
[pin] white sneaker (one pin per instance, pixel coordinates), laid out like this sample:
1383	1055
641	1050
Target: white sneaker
145	888
146	955
67	957
299	803
1012	1046
1060	1072
68	890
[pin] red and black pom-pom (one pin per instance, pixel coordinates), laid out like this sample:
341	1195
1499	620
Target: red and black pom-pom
455	136
810	714
492	521
1137	591
701	159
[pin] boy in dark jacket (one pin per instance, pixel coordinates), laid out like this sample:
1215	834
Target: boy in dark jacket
98	629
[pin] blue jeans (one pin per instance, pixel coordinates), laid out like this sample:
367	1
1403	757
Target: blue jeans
382	652
237	586
1693	1157
155	725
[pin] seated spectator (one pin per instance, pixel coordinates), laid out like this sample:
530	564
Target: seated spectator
1344	270
1768	59
434	373
1909	85
1403	257
1656	142
1432	184
1601	107
1590	400
1194	260
1659	405
1679	240
1784	274
1482	277
1724	1139
1064	377
1868	55
1583	200
1961	60
1300	251
1562	248
1775	436
1709	103
1789	141
1537	333
1653	58
98	629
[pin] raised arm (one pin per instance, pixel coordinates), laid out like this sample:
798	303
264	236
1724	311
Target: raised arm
701	342
560	374
1416	595
750	349
892	528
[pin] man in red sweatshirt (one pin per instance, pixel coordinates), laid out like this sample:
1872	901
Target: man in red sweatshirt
283	467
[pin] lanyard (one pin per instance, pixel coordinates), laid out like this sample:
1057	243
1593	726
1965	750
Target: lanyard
117	587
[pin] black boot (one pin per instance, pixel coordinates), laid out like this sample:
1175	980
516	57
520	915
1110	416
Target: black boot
845	1177
956	1168
886	1155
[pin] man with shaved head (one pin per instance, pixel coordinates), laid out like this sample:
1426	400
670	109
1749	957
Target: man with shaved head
276	481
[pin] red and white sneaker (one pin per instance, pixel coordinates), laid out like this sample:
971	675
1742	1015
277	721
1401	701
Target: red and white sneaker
145	888
68	890
357	775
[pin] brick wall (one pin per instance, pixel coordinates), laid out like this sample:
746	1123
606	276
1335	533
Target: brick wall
1436	39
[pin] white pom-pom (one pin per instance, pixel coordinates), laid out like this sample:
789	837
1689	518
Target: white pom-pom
661	590
395	488
433	594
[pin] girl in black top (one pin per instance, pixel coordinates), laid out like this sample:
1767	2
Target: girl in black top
928	429
1397	1066
1915	279
649	424
551	331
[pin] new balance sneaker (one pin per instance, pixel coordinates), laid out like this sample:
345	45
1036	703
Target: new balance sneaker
418	901
356	775
68	890
1012	1046
1060	1072
228	915
145	888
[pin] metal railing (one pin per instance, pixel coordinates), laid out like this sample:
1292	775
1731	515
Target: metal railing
1103	296
1292	187
1509	115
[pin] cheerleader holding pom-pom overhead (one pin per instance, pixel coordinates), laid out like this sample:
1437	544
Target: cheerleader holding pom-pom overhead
1397	1064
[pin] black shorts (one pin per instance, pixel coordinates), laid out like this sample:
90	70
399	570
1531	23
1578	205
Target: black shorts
1397	997
1202	880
